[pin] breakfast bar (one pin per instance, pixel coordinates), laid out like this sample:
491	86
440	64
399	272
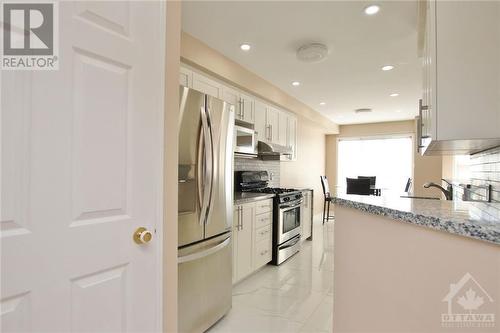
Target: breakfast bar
389	250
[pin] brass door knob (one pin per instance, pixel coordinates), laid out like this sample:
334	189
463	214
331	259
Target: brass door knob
142	236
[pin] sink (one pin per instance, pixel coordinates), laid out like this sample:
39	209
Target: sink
418	197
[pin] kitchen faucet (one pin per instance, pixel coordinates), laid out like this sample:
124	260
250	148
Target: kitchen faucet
448	192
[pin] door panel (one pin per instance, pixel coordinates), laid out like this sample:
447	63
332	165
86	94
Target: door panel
81	171
245	242
221	204
260	121
191	158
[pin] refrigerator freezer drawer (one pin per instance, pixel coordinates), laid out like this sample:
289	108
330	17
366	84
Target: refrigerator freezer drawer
205	273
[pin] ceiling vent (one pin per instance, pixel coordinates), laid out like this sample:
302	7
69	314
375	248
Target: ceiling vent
364	110
313	52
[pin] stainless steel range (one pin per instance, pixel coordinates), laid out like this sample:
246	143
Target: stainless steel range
286	213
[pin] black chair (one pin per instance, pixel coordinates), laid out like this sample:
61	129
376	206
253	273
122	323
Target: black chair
328	199
373	179
358	186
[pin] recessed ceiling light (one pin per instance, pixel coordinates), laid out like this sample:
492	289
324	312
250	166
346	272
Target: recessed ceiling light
394	95
387	68
245	47
322	103
372	10
398	111
295	83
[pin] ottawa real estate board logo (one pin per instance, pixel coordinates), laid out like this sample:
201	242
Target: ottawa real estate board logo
469	305
30	39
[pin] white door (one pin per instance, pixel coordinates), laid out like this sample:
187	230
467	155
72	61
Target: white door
260	121
272	121
81	171
206	85
247	108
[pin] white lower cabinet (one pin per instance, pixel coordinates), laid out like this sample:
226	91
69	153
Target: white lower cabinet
252	237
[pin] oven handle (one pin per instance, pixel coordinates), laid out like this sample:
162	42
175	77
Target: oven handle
289	244
293	204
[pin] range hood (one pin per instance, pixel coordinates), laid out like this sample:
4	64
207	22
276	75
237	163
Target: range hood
272	151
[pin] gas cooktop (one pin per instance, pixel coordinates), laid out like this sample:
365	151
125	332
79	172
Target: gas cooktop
276	190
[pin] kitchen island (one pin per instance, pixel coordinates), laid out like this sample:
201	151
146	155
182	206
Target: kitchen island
404	264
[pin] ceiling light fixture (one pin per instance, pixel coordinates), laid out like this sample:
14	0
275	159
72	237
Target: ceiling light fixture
322	103
295	83
372	10
245	47
312	52
394	95
387	68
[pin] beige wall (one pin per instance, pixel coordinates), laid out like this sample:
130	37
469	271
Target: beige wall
428	168
310	162
396	281
201	56
172	66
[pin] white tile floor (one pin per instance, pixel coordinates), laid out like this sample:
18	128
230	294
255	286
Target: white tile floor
296	296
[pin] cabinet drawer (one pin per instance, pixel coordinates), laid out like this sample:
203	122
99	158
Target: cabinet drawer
263	233
263	220
263	206
263	253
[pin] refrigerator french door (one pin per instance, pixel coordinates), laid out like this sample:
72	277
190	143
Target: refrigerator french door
205	202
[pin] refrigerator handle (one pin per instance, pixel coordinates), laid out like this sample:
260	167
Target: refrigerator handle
204	253
210	161
207	161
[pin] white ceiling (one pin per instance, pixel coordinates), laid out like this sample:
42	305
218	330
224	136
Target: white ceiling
360	45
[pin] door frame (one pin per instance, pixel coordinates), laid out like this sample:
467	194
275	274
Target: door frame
160	172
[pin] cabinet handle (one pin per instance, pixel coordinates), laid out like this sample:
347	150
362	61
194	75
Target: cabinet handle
240	218
241	212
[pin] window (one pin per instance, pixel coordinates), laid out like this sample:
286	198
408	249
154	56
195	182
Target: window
390	159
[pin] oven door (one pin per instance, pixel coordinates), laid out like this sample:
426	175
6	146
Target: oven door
289	221
244	140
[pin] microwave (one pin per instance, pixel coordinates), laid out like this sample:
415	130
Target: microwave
245	141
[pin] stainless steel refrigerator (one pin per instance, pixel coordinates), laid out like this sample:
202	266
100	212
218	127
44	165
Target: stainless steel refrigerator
205	217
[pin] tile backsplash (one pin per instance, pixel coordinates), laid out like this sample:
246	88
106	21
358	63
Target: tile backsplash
484	170
252	164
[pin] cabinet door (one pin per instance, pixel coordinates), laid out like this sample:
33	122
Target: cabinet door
282	128
236	223
186	77
247	108
206	85
272	122
292	136
232	96
260	121
244	244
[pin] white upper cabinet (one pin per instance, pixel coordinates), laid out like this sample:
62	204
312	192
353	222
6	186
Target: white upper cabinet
292	136
260	124
272	124
283	128
460	108
247	113
207	85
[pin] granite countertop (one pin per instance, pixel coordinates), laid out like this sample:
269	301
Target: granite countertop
243	197
470	219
